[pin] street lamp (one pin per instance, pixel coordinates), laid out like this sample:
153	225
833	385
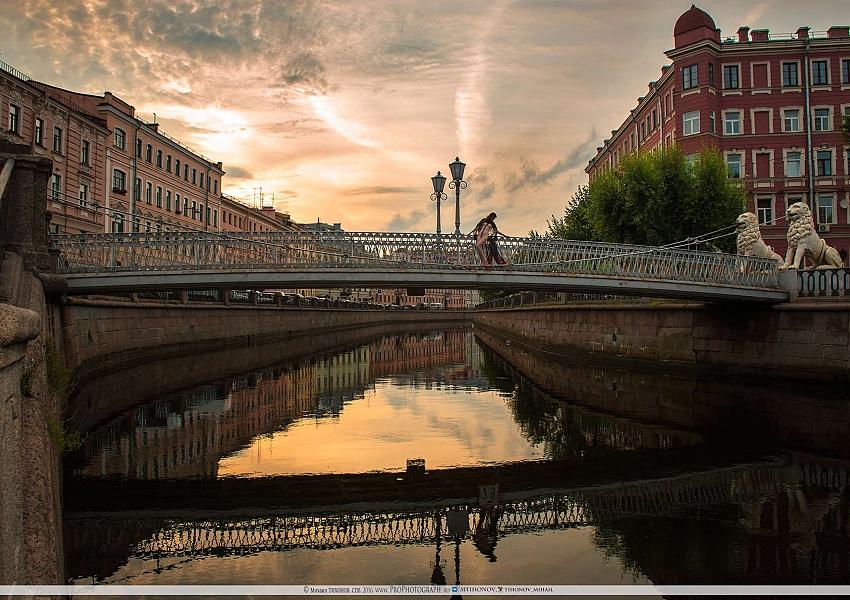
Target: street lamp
457	184
439	182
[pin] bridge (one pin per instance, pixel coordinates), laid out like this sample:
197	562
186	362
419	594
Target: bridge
137	262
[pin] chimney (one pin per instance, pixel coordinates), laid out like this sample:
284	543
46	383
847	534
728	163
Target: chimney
838	31
802	33
760	35
743	34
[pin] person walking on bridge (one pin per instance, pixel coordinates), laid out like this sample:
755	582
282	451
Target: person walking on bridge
485	241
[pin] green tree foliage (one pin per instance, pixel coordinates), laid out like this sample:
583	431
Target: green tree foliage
845	128
654	198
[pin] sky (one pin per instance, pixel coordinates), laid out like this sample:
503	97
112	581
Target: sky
344	110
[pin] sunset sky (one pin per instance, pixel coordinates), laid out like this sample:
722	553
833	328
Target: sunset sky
344	110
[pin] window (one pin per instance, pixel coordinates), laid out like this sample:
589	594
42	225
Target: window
732	123
824	163
733	165
215	217
764	209
186	206
167	199
790	77
826	208
85	152
84	194
690	78
845	71
117	223
186	172
149	153
215	186
39	131
201	212
820	73
208	213
791	118
57	139
14	118
194	209
119	138
119	181
137	189
177	203
711	122
710	74
159	158
793	164
201	182
56	186
148	192
138	148
731	81
690	122
158	197
168	163
822	119
177	167
194	176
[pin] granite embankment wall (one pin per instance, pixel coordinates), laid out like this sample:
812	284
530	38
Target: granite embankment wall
797	340
101	335
808	418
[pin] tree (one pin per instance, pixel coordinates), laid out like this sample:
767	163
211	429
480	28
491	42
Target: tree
575	224
654	198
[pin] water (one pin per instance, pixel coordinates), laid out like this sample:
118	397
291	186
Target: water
295	470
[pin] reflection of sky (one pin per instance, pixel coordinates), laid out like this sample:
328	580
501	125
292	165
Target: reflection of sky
447	427
551	557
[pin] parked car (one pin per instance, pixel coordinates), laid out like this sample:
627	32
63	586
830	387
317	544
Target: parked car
240	296
435	306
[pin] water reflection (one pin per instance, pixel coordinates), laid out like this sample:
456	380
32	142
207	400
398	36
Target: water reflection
606	475
434	395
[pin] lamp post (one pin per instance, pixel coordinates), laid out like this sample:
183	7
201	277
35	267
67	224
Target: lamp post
457	183
439	182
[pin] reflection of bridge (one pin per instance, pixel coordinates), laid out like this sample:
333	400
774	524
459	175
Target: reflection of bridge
417	524
179	260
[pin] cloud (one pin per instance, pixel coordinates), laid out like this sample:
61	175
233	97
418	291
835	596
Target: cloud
405	223
233	171
379	190
306	71
531	175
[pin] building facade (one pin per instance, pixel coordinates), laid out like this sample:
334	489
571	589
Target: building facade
771	104
66	134
115	172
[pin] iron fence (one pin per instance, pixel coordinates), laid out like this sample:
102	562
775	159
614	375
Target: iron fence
170	251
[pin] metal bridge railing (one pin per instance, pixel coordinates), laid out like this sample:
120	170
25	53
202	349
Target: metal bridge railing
170	251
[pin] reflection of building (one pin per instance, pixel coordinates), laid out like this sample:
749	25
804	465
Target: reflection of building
772	105
186	435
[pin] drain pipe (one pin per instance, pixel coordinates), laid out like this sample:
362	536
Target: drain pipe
807	80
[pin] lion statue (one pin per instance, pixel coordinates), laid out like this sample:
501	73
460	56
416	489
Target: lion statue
803	240
749	240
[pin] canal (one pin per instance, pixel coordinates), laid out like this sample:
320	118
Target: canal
435	455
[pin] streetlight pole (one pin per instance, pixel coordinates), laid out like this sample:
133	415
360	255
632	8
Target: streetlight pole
439	182
457	184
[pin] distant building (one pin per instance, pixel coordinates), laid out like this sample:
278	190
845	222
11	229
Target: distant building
772	104
113	171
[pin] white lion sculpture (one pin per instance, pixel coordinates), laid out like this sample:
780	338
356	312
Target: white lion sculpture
803	240
749	240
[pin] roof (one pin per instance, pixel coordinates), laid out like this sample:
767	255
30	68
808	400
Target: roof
693	18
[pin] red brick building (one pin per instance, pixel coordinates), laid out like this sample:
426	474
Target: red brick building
772	104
